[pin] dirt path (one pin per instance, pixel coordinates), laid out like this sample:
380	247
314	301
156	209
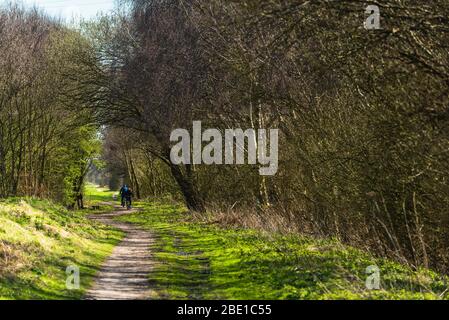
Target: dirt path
124	276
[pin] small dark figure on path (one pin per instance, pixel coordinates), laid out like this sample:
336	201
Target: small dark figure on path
123	192
126	196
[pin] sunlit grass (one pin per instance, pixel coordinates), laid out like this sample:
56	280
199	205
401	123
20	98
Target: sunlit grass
198	261
96	194
39	240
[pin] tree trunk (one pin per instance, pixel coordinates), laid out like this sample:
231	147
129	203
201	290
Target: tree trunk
134	178
192	197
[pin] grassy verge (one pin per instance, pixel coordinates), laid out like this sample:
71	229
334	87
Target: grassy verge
39	240
96	196
199	261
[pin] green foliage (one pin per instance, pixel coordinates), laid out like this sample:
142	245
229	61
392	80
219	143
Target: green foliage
79	154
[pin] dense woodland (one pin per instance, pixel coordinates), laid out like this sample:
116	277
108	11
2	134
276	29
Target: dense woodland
363	114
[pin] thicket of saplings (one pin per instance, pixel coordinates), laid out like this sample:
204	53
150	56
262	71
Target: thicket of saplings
46	141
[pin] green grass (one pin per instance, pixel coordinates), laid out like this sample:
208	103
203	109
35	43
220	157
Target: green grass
197	261
39	240
95	194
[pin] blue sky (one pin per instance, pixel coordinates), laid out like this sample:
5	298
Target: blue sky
68	9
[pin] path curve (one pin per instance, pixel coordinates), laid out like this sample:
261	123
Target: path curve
124	276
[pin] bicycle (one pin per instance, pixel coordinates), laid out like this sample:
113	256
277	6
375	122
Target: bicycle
128	203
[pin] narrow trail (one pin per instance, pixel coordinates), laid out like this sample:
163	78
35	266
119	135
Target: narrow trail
124	276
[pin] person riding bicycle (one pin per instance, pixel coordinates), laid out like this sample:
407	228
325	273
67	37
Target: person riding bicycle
123	193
